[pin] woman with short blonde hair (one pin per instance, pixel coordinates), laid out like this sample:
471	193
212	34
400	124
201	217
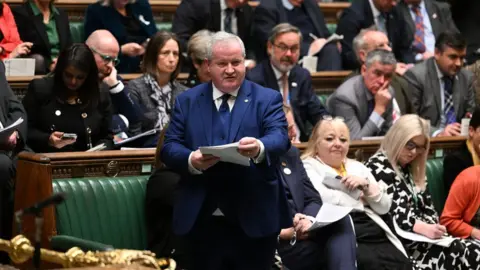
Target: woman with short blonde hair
401	164
197	52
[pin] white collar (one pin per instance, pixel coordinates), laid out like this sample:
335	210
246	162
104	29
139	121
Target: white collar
278	73
218	94
287	5
223	5
375	11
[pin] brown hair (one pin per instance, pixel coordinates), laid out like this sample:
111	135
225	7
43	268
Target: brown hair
150	58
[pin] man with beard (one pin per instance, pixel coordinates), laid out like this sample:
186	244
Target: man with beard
281	72
365	101
105	49
442	91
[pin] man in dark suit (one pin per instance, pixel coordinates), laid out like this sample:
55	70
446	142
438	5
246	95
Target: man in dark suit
305	15
332	247
442	90
230	213
282	73
11	109
454	163
426	20
365	101
232	16
386	17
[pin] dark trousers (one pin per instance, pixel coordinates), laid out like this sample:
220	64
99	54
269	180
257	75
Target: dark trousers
332	247
217	243
7	187
329	58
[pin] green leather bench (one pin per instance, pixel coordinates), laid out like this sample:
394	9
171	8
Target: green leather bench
435	183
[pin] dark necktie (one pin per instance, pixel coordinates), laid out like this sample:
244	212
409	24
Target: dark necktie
371	106
224	111
448	109
228	20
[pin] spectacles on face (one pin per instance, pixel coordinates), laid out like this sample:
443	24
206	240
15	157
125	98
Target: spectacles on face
284	48
331	118
411	146
107	58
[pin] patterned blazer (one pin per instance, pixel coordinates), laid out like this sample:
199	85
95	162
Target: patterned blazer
143	95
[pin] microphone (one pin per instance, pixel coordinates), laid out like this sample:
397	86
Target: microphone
53	200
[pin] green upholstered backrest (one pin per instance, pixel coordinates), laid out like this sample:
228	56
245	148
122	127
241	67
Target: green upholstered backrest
108	210
167	26
76	29
435	183
323	99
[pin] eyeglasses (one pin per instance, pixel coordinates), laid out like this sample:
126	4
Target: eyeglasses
284	48
411	146
331	118
107	58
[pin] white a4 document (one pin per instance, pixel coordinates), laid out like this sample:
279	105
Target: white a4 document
226	153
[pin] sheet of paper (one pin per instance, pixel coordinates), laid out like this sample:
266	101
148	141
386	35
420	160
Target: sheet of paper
137	148
19	67
373	138
333	38
329	214
226	153
7	131
445	241
124	141
332	182
99	147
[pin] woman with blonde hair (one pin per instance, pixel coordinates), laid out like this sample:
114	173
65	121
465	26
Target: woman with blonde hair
197	52
401	164
325	161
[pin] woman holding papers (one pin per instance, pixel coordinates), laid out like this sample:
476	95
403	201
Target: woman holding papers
157	89
400	163
67	112
345	182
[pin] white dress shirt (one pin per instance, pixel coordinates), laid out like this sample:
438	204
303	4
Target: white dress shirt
223	12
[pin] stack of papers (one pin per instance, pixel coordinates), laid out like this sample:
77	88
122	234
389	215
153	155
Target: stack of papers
329	214
19	67
226	153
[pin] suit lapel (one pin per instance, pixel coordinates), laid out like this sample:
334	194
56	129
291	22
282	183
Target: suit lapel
242	102
311	13
433	16
136	13
205	104
62	31
403	8
434	83
457	96
270	79
215	15
40	27
289	179
240	14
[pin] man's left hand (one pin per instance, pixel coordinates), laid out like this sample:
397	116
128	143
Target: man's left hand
249	147
301	224
12	141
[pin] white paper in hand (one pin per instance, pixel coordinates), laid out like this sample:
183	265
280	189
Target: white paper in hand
445	241
332	182
226	153
329	214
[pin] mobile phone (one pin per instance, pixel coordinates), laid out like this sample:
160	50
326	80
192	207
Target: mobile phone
69	136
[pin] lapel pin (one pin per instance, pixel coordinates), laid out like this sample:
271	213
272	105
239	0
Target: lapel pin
294	84
84	115
58	113
284	164
246	100
287	171
434	15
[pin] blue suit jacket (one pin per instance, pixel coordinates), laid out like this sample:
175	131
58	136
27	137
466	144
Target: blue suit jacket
99	16
254	194
304	197
306	105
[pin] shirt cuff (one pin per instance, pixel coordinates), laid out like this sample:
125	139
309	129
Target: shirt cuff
376	119
436	132
312	219
192	169
261	154
117	89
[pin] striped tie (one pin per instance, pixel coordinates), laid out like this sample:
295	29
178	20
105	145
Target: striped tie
448	107
419	37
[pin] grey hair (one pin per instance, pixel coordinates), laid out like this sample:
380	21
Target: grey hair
381	56
283	28
359	42
197	45
222	36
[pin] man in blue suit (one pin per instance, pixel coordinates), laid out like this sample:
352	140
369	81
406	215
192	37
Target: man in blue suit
332	247
281	72
231	214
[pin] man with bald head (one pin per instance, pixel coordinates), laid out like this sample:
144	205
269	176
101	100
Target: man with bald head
105	49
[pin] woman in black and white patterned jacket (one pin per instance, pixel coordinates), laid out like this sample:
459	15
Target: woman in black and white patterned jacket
401	164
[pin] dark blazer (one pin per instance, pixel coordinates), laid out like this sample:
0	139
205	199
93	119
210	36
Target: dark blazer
453	164
425	89
46	113
32	29
306	105
360	16
465	15
305	198
253	196
272	12
438	13
101	16
192	16
11	109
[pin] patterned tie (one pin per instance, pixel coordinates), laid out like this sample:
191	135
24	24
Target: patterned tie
224	110
448	109
228	20
419	37
285	91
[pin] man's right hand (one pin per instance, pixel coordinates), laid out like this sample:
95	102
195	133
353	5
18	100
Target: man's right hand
451	130
111	79
202	162
382	99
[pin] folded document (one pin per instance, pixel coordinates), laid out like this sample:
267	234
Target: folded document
226	153
329	214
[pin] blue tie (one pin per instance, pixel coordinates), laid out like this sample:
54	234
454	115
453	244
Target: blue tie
448	106
228	21
224	111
